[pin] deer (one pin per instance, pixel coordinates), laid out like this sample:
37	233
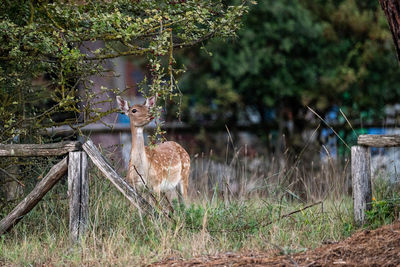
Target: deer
163	167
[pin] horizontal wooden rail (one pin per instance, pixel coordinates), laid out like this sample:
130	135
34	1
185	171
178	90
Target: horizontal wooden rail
112	127
379	140
42	150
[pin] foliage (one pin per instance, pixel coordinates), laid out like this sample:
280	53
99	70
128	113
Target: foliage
385	203
382	212
50	50
290	54
360	61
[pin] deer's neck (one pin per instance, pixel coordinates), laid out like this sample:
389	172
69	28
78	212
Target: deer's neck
137	140
138	153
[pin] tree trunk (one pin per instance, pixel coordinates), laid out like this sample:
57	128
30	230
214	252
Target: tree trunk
392	13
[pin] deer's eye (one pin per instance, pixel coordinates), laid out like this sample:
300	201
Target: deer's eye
134	110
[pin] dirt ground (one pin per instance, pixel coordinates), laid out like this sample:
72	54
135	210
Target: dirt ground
380	247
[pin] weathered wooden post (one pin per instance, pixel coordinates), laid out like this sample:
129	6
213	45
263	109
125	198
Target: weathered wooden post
361	177
78	193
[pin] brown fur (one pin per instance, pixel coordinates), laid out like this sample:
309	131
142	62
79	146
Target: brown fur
165	164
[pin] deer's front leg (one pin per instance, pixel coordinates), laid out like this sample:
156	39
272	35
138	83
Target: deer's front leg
130	179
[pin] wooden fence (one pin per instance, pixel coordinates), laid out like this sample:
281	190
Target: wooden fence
361	170
75	165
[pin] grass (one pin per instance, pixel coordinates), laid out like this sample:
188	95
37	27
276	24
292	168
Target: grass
117	236
259	205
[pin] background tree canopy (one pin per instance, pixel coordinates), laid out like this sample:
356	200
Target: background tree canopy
47	56
291	54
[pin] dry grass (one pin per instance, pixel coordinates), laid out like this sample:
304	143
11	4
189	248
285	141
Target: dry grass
240	205
304	178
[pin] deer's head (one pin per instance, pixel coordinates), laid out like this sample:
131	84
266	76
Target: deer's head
139	115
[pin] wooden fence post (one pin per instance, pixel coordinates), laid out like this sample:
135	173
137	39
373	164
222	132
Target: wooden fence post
78	193
361	178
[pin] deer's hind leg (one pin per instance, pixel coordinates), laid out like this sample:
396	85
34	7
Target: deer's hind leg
184	183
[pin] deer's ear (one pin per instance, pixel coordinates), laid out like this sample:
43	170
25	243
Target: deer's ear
150	102
123	105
